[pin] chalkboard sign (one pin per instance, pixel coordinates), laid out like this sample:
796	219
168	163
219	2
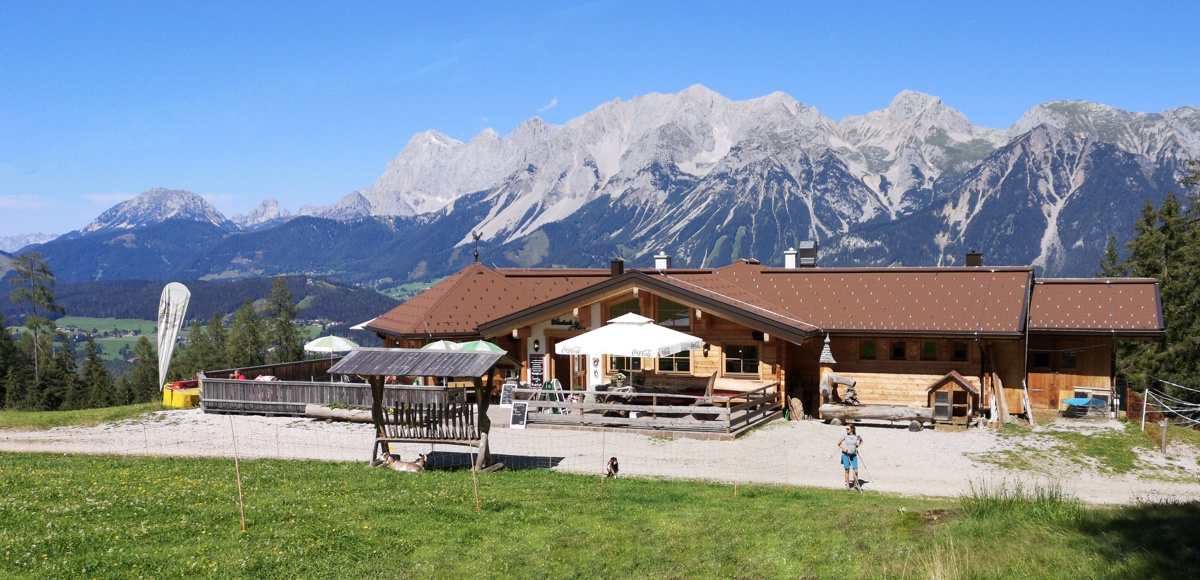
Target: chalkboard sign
506	394
537	370
520	412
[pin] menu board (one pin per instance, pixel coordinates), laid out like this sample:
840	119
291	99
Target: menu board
537	370
506	394
520	413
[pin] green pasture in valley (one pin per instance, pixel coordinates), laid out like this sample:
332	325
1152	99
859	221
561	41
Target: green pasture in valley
113	325
104	516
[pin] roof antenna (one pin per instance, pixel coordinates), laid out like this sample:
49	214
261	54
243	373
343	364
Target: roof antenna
476	235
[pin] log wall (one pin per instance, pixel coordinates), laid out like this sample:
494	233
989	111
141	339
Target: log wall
1050	383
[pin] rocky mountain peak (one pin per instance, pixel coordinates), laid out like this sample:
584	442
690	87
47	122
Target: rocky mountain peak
268	210
154	206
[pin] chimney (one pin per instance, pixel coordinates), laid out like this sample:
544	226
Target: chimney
975	258
662	261
789	258
808	254
618	267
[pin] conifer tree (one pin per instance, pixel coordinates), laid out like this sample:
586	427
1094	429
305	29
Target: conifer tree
1111	265
218	339
283	336
246	341
97	381
140	384
34	285
8	352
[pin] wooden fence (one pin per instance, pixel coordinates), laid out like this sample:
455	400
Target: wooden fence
220	395
730	415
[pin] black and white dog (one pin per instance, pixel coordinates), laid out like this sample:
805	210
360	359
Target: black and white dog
613	468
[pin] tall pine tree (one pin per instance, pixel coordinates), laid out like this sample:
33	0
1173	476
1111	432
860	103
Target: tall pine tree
98	387
283	335
246	344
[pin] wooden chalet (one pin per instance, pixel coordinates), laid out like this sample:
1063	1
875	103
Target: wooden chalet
976	340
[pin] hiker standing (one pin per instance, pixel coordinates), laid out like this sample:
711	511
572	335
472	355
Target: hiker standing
849	443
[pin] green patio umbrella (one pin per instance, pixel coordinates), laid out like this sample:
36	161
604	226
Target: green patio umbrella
480	346
330	345
441	345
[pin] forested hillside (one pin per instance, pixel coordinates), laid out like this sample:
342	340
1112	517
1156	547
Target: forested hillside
317	299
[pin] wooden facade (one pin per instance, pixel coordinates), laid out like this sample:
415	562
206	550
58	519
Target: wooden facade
898	332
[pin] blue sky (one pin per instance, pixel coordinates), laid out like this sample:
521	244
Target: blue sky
306	102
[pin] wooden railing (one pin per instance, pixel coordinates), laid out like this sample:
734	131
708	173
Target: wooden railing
729	414
291	397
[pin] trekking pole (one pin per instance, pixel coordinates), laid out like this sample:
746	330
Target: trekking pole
864	467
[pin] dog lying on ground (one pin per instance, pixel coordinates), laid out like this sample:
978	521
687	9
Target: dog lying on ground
395	464
613	468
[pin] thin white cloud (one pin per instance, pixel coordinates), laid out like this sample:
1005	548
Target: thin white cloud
23	202
108	198
553	103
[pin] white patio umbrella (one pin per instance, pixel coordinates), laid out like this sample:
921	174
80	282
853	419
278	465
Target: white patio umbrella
330	345
630	335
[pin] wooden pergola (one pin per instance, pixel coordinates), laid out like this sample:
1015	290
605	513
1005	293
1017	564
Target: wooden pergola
445	421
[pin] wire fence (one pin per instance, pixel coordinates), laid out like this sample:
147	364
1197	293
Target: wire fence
752	459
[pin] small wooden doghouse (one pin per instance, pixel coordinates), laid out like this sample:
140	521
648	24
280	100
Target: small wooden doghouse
952	397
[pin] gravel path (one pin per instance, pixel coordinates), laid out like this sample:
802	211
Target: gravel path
894	460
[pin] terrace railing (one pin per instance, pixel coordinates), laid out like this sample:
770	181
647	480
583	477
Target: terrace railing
729	414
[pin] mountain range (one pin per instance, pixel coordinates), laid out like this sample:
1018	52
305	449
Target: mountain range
693	174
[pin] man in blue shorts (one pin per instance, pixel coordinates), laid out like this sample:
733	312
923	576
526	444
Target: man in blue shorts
849	443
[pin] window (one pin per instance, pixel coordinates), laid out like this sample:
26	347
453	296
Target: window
866	350
1041	360
959	353
631	305
899	351
929	350
680	362
673	315
624	364
1068	359
741	360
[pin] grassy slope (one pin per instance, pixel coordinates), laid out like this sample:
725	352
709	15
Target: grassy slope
120	517
32	420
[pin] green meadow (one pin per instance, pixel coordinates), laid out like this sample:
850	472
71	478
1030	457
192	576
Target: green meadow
103	516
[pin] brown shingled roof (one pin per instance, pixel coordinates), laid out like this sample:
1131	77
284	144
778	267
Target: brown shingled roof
1125	306
902	300
476	294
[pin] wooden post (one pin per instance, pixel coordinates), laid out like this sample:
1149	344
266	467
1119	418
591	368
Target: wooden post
1164	435
237	468
482	401
376	382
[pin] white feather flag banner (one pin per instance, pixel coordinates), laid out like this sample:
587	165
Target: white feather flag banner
172	308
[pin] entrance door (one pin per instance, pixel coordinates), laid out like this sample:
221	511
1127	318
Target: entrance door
560	365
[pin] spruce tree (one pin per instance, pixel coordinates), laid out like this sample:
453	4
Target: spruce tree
140	384
283	336
8	353
97	382
218	340
246	341
1111	265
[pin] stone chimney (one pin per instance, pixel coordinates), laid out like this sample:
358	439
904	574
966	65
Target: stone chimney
974	259
662	261
617	267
